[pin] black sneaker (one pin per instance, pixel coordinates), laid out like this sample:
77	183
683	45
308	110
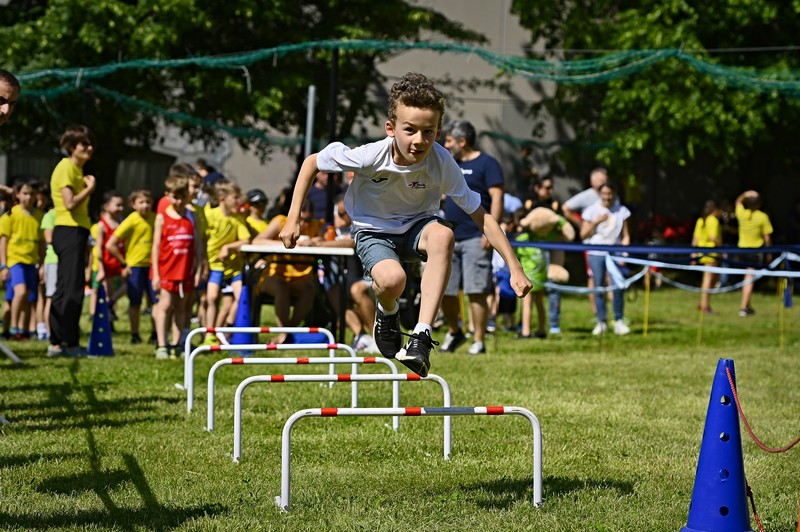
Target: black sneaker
387	333
416	354
452	341
136	339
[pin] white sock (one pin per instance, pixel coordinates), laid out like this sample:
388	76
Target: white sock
389	312
422	327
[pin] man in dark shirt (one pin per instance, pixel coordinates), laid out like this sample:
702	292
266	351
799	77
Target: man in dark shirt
472	257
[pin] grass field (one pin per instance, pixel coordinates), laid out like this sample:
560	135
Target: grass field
105	443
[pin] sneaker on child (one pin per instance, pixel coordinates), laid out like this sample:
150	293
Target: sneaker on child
452	341
416	354
387	333
621	328
162	353
600	328
477	348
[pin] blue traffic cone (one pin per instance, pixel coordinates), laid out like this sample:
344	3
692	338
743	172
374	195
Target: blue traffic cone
243	318
100	338
719	498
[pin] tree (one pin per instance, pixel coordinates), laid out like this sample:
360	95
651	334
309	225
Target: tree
38	34
671	116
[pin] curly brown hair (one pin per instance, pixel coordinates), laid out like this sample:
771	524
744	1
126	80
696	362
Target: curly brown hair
415	90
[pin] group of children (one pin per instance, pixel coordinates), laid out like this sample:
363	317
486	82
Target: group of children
185	246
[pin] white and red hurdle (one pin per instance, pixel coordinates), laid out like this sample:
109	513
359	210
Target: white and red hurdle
299	361
282	500
403	377
332	348
220	333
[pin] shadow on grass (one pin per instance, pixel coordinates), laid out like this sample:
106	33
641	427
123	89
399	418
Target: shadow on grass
61	411
20	461
160	518
503	493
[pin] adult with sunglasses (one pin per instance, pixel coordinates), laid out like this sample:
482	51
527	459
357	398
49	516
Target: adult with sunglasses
71	193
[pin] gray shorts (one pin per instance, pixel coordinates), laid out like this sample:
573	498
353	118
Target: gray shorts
472	269
50	278
373	247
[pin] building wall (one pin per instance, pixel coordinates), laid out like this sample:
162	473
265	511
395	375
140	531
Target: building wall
488	109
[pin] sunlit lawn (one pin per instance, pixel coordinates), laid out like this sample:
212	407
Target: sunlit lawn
106	443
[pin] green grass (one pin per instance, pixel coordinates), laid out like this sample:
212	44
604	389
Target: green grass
105	443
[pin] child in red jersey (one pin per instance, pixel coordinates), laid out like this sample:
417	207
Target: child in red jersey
176	244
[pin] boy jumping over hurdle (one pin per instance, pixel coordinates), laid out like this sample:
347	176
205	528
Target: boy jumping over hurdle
393	200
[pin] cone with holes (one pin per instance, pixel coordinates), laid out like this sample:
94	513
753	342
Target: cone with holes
100	338
719	498
243	318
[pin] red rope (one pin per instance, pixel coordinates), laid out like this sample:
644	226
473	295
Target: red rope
753	504
747	425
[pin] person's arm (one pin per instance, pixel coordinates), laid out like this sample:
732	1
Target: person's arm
626	236
72	200
746	194
291	230
572	216
200	258
589	227
495	208
158	227
497	238
269	236
227	249
112	246
4	258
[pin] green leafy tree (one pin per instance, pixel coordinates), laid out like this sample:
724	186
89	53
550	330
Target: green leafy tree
38	34
670	116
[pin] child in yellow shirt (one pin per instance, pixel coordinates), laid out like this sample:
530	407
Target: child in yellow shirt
226	232
137	232
21	251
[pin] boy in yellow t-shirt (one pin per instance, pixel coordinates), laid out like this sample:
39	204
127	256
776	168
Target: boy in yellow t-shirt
257	204
137	232
21	251
226	233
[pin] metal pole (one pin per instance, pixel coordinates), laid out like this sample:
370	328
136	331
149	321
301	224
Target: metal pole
334	82
312	97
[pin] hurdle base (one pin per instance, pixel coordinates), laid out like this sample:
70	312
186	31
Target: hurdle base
280	505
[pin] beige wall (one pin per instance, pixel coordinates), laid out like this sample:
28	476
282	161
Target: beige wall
487	109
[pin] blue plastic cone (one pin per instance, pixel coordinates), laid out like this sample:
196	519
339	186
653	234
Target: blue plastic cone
100	338
243	318
719	498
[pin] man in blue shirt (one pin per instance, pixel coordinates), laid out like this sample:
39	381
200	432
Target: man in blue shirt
472	257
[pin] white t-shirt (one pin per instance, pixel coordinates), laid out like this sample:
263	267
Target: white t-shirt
583	200
608	232
388	198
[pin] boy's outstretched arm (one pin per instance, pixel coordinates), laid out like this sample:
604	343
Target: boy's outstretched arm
291	230
497	238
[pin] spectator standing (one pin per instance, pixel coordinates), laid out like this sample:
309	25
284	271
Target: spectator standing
606	223
226	233
755	231
71	191
708	234
471	268
176	246
543	197
573	209
136	231
21	250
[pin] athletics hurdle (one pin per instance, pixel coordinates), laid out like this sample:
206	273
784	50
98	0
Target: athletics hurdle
298	361
237	406
282	500
189	374
187	345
